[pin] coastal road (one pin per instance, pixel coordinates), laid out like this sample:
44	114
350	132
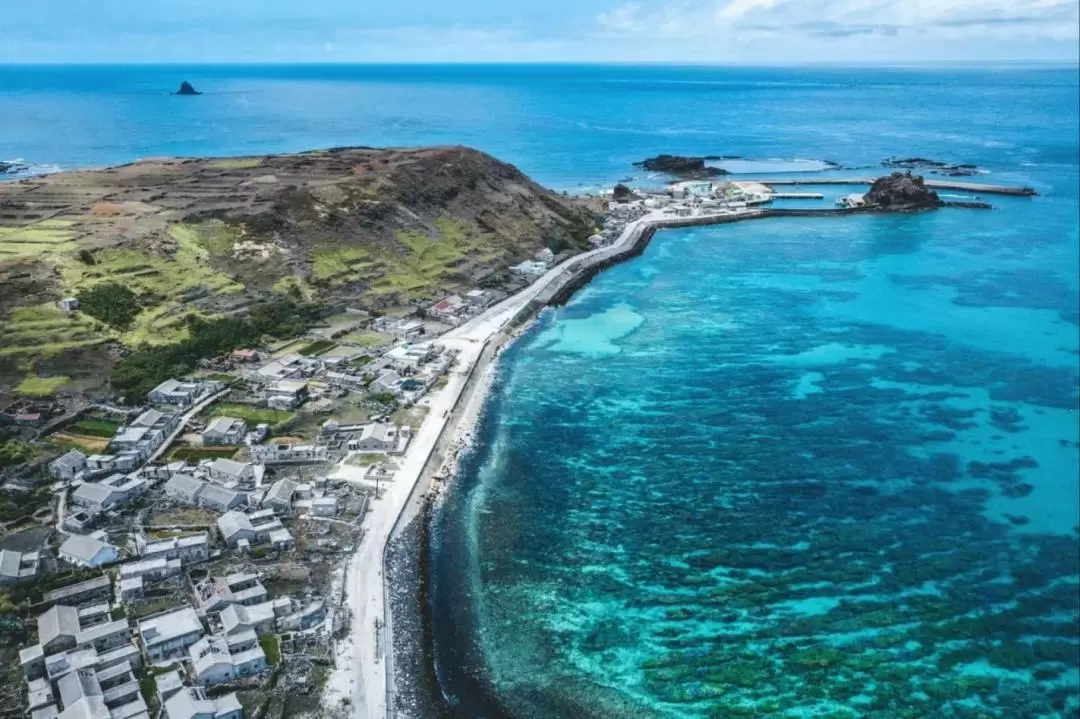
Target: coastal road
360	673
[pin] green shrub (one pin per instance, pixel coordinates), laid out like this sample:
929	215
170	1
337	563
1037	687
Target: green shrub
146	367
112	303
271	648
14	452
316	347
385	398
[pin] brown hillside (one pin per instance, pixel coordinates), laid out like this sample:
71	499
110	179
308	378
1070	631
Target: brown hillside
376	229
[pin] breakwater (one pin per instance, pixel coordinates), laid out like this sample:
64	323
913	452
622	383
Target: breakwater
578	274
987	189
415	687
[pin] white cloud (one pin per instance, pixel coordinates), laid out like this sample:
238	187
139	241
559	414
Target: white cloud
948	19
623	19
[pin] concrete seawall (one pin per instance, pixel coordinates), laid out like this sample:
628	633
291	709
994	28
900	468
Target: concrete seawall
414	560
579	274
987	189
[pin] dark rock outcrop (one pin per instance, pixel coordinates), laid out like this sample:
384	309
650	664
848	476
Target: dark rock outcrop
921	163
186	89
10	167
969	205
901	192
622	193
690	168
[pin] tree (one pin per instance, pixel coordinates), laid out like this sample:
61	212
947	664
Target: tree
112	303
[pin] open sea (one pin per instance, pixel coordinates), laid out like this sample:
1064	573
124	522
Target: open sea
790	468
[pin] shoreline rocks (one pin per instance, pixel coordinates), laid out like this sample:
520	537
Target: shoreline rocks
622	193
921	163
689	168
10	167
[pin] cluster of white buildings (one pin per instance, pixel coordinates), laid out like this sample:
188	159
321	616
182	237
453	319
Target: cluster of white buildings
180	636
618	217
130	448
177	393
193	490
88	658
232	488
289	453
403	330
88	500
532	269
455	309
84	663
218	484
242	530
406	371
134	443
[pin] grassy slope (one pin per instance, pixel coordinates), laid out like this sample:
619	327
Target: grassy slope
373	229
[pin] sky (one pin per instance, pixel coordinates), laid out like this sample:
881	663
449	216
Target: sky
699	31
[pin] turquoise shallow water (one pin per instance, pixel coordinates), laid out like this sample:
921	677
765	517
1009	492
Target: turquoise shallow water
785	469
729	476
791	468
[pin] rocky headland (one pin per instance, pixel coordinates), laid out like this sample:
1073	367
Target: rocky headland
685	168
622	193
376	230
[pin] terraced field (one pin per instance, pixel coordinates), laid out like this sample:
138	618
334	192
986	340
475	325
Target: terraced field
170	285
370	229
34	386
44	331
41	238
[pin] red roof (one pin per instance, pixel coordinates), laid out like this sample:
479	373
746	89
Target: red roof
443	306
35	417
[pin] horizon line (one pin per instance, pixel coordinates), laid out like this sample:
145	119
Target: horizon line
994	63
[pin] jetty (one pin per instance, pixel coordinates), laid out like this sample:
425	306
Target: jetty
798	196
983	188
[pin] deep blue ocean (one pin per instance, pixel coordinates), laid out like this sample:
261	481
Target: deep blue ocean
789	468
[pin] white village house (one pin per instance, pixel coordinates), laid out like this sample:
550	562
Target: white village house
83	550
224	431
169	634
68	466
175	392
